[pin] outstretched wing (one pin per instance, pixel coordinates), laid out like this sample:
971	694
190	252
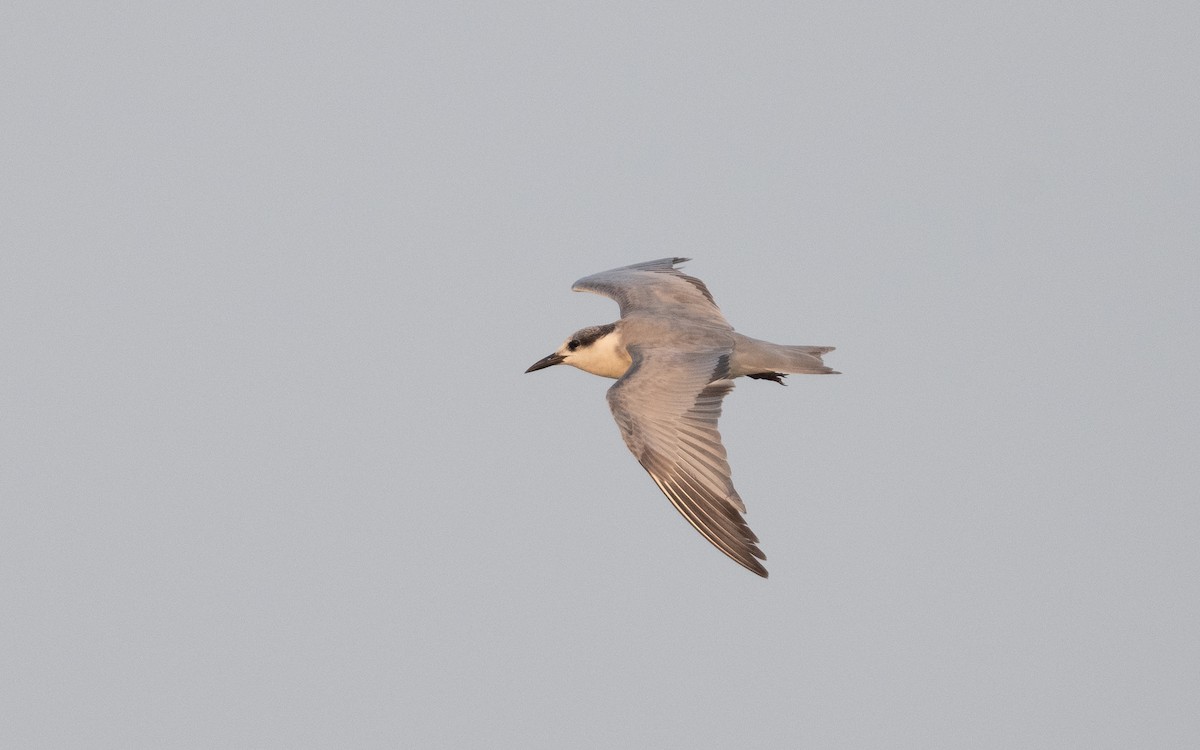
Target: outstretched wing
656	287
667	406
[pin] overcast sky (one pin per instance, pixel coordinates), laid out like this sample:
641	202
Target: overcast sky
272	475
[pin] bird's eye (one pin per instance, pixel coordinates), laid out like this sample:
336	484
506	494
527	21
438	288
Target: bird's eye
573	345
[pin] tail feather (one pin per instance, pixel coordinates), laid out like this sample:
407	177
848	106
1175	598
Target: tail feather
806	360
762	358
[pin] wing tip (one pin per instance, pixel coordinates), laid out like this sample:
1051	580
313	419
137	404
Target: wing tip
756	568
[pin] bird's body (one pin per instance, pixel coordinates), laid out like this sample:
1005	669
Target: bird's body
674	357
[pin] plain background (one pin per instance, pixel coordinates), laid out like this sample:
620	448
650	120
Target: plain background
272	476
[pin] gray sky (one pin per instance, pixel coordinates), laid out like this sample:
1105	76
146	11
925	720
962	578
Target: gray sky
272	475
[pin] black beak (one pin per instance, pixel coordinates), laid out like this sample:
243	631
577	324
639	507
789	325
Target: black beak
550	361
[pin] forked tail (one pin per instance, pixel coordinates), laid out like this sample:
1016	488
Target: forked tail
764	360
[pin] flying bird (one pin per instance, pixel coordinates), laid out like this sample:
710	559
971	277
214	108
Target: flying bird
674	357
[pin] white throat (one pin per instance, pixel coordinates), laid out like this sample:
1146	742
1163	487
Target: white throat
606	357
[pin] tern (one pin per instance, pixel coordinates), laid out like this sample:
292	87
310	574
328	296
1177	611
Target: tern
674	357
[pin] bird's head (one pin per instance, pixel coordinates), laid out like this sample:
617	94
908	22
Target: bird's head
595	349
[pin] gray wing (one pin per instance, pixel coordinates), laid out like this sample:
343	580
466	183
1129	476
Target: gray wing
658	288
667	406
